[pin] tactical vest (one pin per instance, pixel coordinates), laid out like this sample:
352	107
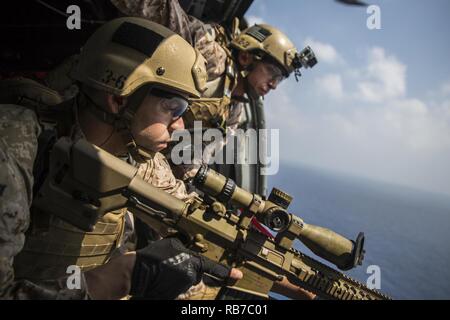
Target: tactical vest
212	109
52	245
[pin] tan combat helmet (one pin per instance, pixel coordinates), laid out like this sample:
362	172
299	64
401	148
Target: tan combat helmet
127	53
265	40
128	56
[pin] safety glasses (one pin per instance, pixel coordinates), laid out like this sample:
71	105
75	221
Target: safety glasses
177	105
275	73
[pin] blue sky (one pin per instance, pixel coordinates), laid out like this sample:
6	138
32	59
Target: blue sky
378	103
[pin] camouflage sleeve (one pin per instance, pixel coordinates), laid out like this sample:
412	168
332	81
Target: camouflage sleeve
19	130
170	14
166	12
159	174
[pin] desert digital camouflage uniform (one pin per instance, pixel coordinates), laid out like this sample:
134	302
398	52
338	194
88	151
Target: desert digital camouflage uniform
158	173
19	131
170	14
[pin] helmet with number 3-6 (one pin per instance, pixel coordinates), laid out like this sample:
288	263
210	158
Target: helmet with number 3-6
127	53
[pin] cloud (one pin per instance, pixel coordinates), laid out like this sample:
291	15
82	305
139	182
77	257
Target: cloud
445	89
417	127
383	79
325	52
378	132
331	85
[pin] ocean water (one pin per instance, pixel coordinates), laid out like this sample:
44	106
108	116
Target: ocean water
407	231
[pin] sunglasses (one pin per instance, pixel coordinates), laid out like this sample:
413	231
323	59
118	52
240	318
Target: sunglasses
176	104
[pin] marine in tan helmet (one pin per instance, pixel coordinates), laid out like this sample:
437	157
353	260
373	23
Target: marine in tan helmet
135	77
268	57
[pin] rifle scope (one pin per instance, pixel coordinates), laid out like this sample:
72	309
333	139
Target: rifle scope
344	253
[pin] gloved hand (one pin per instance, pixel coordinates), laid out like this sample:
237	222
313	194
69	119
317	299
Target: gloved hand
165	268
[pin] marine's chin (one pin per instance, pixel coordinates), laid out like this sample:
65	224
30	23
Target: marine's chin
162	146
262	92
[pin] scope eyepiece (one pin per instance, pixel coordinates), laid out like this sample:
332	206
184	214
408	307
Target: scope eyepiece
277	219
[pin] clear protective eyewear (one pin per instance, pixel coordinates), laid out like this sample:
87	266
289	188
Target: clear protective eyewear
275	73
176	104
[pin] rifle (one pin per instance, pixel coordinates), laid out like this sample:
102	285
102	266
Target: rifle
85	182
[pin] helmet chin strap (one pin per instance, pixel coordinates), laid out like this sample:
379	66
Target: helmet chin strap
139	154
123	120
251	92
126	116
